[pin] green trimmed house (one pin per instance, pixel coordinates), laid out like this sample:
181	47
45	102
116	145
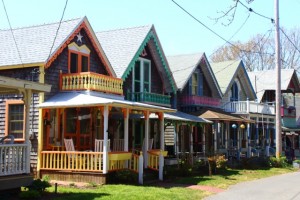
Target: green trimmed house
138	59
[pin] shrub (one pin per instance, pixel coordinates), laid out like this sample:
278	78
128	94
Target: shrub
278	162
255	163
39	185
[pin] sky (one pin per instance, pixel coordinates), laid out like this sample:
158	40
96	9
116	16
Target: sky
178	32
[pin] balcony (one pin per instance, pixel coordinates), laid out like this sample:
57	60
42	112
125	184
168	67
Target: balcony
91	81
199	100
152	98
245	107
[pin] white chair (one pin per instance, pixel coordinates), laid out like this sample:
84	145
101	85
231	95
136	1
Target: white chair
99	145
118	145
69	145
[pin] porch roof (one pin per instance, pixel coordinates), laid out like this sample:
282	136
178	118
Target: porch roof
180	116
290	129
221	115
14	85
87	99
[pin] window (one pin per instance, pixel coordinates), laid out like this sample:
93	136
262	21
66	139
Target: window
15	119
142	76
195	84
234	92
79	58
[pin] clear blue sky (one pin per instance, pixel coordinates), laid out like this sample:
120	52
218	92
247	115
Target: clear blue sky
178	32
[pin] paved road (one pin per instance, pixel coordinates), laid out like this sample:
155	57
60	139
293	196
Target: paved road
281	187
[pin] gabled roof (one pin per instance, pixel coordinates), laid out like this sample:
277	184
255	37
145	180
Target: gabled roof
124	46
35	42
184	65
266	80
227	71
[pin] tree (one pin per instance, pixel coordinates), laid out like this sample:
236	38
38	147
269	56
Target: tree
258	53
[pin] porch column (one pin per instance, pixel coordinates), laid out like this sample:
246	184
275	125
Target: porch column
126	121
203	139
191	140
226	134
177	139
162	131
215	136
27	101
146	138
248	141
267	141
105	147
256	134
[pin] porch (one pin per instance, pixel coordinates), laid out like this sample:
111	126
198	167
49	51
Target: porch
246	107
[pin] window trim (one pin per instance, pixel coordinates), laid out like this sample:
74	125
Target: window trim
142	69
80	51
7	104
195	84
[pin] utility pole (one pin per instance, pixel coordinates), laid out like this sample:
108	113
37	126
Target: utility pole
278	81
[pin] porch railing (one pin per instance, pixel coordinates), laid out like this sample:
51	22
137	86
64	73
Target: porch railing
248	107
149	97
13	159
75	161
91	81
153	159
134	164
200	100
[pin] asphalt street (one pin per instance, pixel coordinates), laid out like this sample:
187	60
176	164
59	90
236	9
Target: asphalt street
281	187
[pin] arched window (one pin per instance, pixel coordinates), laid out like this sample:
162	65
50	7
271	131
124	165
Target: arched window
234	92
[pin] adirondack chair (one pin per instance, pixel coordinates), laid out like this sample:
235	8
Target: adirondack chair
99	145
118	145
69	145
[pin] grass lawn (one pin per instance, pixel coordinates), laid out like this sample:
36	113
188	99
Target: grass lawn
223	180
129	192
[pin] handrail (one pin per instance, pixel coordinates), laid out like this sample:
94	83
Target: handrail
91	81
70	160
13	159
149	97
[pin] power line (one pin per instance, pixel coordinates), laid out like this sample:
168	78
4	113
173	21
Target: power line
251	10
57	29
289	39
212	30
12	33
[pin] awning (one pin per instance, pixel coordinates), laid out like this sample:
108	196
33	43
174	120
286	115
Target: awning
88	99
180	116
223	116
290	129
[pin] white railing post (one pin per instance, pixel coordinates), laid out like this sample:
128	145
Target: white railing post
141	168
161	166
248	106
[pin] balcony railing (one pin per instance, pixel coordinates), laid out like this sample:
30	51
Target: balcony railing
91	81
148	97
200	100
244	107
13	159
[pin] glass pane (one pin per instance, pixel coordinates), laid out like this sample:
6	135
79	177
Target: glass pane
84	64
74	63
85	119
71	117
16	120
137	71
146	71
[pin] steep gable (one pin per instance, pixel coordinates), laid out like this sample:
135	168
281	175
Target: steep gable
35	42
124	46
263	81
228	72
183	66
